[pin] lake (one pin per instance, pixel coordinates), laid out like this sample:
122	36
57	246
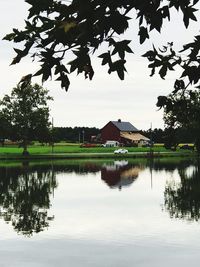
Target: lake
106	213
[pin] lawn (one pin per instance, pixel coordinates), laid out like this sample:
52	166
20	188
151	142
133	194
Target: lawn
75	148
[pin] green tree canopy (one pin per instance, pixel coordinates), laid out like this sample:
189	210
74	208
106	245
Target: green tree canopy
182	110
27	112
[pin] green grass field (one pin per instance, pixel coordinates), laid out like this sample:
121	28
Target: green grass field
73	148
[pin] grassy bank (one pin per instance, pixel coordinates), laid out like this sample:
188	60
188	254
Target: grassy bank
75	151
68	148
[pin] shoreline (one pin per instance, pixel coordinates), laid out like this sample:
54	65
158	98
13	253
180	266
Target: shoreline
96	155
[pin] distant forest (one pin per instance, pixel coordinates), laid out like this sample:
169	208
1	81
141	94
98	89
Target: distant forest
76	134
92	134
180	135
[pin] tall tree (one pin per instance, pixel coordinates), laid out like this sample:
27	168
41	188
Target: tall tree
183	111
27	112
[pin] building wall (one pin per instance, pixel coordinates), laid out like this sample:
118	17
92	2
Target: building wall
110	132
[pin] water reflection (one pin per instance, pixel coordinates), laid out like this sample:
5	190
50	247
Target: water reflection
182	199
26	189
25	197
119	174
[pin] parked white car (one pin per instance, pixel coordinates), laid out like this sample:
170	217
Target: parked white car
121	151
110	143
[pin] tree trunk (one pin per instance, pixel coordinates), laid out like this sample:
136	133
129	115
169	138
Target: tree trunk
25	147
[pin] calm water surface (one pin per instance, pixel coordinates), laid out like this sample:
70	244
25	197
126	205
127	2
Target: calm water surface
100	213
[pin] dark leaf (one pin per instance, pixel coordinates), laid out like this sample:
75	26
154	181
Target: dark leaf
163	71
26	78
162	101
9	37
143	33
106	58
189	14
178	85
89	72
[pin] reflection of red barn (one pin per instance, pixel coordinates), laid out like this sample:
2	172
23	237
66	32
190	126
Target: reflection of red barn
118	177
121	131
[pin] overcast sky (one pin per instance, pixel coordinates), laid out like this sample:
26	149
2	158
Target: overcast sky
105	98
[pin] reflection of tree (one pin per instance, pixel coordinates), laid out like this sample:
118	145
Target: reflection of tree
25	198
168	165
182	200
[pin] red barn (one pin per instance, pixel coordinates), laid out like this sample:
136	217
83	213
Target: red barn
123	132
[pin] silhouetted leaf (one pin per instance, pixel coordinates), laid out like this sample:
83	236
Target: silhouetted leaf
106	58
163	71
189	14
64	82
143	33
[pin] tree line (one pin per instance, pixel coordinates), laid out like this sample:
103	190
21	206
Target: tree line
93	134
170	138
76	134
